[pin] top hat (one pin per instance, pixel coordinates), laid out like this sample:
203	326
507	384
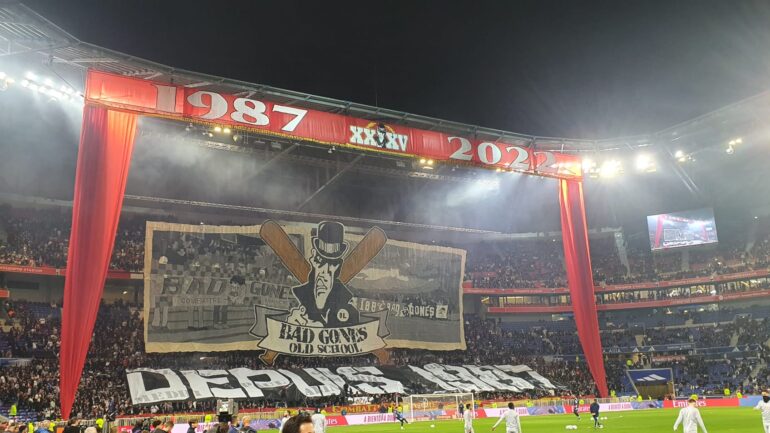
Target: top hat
328	240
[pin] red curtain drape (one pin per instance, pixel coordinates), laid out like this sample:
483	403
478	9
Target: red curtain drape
104	155
580	279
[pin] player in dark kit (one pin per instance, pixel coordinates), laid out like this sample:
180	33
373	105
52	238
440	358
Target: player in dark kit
398	416
576	409
595	413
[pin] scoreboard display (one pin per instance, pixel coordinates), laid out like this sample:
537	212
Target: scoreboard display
682	229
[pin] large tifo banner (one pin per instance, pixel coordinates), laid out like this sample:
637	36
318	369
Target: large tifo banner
305	290
150	386
266	117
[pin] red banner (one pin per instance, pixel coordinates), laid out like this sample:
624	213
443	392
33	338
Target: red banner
46	270
354	408
621	287
266	117
535	308
669	358
16	269
516	292
531	309
688	281
336	421
685	301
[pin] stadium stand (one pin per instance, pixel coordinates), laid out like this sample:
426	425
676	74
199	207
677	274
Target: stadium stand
37	238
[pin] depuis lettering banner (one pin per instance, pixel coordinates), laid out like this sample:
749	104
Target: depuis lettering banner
305	290
151	386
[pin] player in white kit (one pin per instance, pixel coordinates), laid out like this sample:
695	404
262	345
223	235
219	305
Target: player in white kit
690	417
319	421
764	407
468	418
512	421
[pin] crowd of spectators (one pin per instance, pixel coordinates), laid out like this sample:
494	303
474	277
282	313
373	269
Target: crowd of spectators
39	238
525	263
499	265
752	331
118	345
711	335
32	237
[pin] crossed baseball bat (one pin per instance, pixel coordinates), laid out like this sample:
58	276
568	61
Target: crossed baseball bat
274	236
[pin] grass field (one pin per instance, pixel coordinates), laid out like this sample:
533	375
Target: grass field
717	420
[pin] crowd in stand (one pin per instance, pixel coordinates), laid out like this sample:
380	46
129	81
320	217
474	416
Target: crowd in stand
705	336
31	237
118	345
500	265
39	238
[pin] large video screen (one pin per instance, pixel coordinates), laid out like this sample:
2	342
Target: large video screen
682	229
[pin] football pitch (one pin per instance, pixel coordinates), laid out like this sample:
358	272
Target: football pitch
717	420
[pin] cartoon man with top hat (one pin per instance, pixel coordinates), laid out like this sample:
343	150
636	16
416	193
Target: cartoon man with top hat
324	301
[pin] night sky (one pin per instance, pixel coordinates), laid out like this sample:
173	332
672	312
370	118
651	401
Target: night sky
586	69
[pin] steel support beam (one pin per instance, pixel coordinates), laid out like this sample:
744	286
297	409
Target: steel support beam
275	158
330	181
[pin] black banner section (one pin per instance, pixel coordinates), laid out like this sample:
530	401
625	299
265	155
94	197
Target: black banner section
151	386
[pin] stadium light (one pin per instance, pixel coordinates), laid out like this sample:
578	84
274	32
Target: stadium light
610	168
645	164
589	166
683	157
732	144
47	87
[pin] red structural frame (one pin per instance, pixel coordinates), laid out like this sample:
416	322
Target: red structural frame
112	105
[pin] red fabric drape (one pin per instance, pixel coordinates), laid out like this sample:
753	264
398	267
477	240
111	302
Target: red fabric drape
106	142
579	277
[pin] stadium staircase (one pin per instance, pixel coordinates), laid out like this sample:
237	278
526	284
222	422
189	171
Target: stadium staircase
734	339
755	372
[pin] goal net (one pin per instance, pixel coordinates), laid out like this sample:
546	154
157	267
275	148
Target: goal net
428	407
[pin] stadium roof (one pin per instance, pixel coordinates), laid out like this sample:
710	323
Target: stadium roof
24	32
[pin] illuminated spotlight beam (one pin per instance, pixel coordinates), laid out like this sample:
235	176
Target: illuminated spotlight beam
610	168
45	86
645	163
